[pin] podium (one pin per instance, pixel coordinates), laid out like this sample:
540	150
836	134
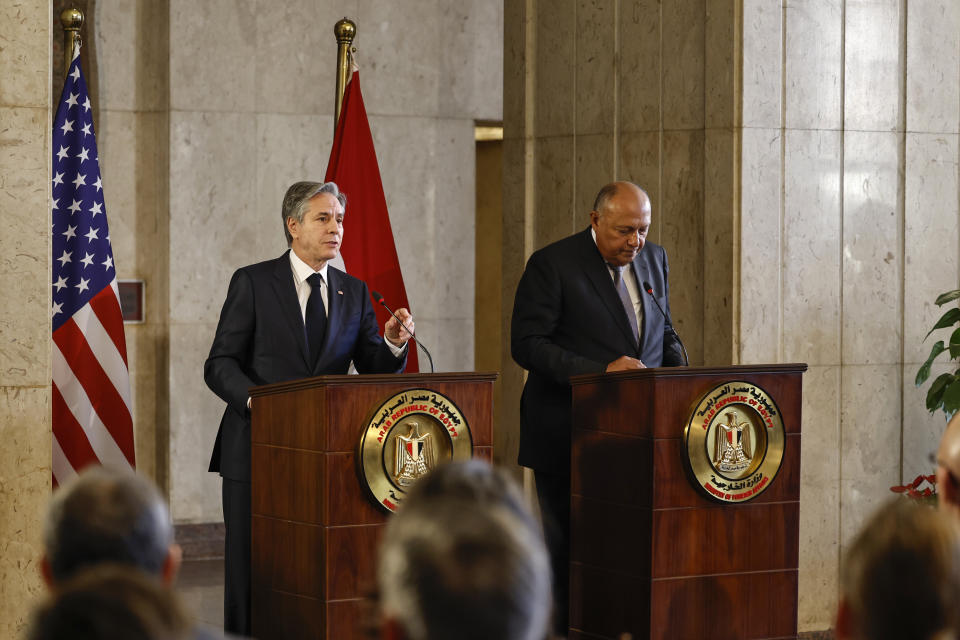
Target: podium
654	553
315	528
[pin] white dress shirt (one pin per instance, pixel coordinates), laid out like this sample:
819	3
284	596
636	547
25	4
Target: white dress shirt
633	288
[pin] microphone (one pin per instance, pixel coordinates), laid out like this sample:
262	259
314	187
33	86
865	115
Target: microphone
379	299
649	289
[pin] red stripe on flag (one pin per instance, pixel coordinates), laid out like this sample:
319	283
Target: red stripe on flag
70	435
107	308
103	396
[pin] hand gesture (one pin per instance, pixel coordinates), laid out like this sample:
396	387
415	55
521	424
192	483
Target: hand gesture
397	333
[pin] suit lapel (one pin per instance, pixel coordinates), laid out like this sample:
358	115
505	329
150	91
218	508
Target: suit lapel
594	266
289	303
334	310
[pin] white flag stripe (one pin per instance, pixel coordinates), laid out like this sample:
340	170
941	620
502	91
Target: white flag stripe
62	469
101	441
105	350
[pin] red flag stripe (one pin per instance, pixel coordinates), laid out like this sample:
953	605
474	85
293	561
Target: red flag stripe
106	305
111	447
70	436
104	350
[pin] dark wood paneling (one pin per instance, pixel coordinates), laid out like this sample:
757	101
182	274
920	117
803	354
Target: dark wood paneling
725	539
611	467
730	607
294	420
610	536
606	604
351	560
348	500
280	471
348	619
675	487
279	548
287	616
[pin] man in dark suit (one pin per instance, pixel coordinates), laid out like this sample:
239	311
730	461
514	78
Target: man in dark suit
581	307
283	319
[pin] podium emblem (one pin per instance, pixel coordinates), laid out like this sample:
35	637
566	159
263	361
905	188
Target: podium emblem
408	436
734	442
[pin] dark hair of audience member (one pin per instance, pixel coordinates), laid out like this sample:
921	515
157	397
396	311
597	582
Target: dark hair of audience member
111	602
107	516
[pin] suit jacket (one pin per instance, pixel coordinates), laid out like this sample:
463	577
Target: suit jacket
567	321
259	340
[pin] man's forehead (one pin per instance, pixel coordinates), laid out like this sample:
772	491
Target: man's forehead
325	203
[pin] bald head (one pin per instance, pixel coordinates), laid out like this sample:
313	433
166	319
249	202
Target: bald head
620	219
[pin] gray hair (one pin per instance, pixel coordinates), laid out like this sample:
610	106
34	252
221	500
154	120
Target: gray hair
296	201
607	191
107	516
465	559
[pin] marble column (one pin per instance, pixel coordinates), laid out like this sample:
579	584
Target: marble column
25	471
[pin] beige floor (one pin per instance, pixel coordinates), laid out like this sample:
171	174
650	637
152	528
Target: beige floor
200	584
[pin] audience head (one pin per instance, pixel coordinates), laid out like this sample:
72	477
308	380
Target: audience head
901	577
948	467
464	558
111	602
108	516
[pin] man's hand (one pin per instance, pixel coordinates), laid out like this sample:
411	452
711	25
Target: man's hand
396	333
625	363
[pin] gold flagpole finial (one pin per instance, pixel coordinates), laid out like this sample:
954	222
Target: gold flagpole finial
346	31
72	20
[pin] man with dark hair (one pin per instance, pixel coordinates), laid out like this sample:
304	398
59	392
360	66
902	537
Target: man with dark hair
585	304
108	516
463	558
287	318
901	577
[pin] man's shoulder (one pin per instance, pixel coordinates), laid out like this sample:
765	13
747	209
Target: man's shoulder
345	279
563	247
267	267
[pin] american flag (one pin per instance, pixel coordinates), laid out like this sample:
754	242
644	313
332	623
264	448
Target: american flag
92	420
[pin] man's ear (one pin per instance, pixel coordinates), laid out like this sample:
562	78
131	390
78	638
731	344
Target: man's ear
46	571
594	216
390	629
844	628
292	225
171	564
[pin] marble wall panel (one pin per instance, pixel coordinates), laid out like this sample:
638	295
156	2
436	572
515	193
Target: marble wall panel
762	51
681	232
212	46
813	69
554	92
639	65
471	66
922	430
596	68
195	413
811	247
289	148
872	73
639	162
24	76
870	422
683	63
931	239
24	246
145	352
117	151
554	216
872	259
761	242
24	492
514	91
720	212
116	46
214	226
398	56
428	171
444	339
933	65
594	169
291	74
722	40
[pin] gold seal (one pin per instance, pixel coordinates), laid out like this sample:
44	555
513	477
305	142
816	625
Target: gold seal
408	436
734	442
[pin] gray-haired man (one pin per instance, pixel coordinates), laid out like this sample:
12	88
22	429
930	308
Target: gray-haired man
292	317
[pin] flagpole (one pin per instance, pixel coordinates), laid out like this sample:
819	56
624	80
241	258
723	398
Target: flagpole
72	20
346	31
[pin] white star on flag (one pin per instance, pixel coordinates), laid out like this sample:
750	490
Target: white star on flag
70	232
74	207
72	100
91	235
86	104
87	260
108	263
65	258
55	203
62	153
80	181
83	154
84	285
58	179
60	283
57	307
86	130
96	208
97	184
67	126
75	73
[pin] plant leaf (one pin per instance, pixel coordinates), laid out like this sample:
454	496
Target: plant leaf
944	298
935	393
955	344
951	397
947	319
924	371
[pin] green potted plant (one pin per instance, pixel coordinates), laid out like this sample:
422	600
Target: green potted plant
944	392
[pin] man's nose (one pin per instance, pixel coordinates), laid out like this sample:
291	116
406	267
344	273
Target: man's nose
634	239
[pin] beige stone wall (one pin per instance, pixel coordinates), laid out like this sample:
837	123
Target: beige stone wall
25	472
849	231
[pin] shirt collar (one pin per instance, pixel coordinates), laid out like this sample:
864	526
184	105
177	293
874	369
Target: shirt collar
302	271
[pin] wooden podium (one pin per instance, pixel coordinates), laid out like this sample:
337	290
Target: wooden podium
314	530
650	554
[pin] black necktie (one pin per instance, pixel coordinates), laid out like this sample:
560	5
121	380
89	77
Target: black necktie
315	318
625	301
